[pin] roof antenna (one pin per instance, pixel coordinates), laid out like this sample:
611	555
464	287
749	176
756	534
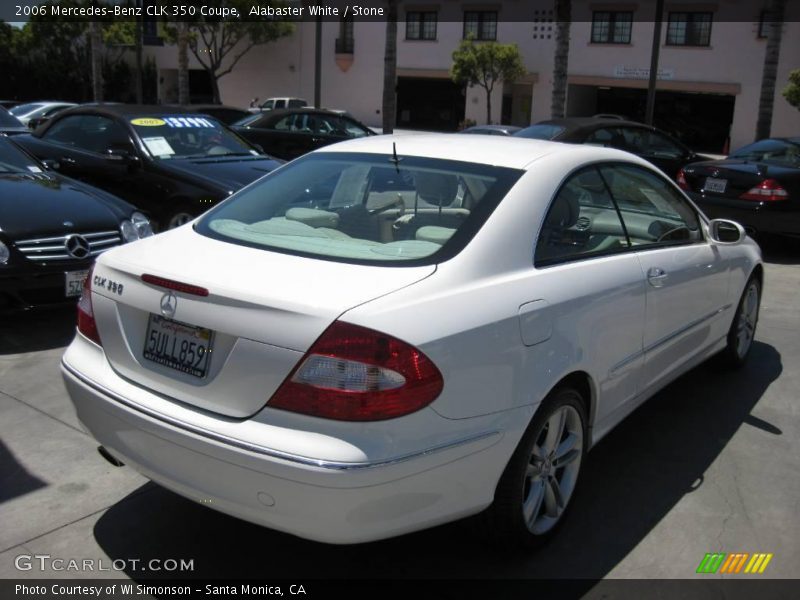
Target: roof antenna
394	158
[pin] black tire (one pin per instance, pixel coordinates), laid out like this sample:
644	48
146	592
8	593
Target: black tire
177	217
505	519
734	356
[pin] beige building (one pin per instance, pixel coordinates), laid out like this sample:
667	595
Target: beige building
710	68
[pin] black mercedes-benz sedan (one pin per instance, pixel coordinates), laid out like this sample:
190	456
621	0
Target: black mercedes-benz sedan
172	163
758	185
289	133
652	144
51	230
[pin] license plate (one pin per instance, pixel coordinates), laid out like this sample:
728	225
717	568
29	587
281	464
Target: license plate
180	346
73	282
715	185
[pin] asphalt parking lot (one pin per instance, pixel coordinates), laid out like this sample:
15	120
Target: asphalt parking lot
711	464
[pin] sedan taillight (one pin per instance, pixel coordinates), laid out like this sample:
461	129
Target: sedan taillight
681	179
768	190
86	323
352	373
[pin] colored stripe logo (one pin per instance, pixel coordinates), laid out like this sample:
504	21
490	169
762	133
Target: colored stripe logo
734	563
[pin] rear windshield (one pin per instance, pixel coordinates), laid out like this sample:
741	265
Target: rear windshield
363	208
8	120
540	132
782	152
24	109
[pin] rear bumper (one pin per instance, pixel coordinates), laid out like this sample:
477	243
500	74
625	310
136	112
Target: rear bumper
781	218
319	500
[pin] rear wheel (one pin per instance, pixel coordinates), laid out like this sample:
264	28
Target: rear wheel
743	327
180	216
540	479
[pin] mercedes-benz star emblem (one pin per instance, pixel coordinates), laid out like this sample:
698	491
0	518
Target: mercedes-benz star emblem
77	246
169	302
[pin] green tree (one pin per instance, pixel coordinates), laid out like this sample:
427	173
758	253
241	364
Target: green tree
792	91
219	43
485	64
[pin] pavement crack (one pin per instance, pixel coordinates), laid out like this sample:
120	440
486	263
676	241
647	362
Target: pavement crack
45	413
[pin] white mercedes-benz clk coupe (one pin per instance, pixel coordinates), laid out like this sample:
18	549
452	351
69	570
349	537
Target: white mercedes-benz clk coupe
395	332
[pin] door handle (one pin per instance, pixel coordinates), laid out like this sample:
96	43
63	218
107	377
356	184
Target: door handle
656	276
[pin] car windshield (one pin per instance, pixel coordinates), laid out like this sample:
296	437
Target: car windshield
8	120
14	160
24	109
188	136
363	208
781	152
543	131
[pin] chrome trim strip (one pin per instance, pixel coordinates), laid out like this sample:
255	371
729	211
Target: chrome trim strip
62	238
629	359
684	329
303	460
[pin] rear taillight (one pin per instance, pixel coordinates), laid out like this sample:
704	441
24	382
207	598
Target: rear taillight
681	179
768	190
352	373
86	322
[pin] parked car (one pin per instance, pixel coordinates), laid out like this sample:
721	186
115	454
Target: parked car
171	163
9	124
7	104
757	185
224	114
492	129
51	230
277	103
38	110
652	144
347	363
291	133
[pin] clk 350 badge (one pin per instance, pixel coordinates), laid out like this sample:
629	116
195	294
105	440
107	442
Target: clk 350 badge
111	286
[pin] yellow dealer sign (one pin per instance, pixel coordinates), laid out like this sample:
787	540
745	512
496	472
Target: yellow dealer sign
147	122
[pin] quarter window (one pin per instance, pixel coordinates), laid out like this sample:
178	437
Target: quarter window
421	25
654	212
650	144
689	29
581	222
480	25
611	27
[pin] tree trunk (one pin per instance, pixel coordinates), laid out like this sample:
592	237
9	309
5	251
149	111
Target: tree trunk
183	63
561	61
138	48
488	107
390	70
766	101
215	88
96	58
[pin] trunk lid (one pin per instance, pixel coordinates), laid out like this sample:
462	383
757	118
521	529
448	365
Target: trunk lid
265	309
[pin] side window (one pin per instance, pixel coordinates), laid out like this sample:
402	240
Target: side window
280	103
268	105
650	143
608	136
581	222
285	124
653	211
65	131
90	132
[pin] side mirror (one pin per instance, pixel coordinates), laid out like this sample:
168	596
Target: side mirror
726	232
51	164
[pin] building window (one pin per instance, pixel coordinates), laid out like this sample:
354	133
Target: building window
611	27
689	29
480	25
421	25
345	41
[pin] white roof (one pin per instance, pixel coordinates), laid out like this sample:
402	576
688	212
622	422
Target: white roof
501	151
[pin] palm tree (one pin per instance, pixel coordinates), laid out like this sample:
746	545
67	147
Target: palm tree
561	61
774	17
96	43
390	69
183	62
